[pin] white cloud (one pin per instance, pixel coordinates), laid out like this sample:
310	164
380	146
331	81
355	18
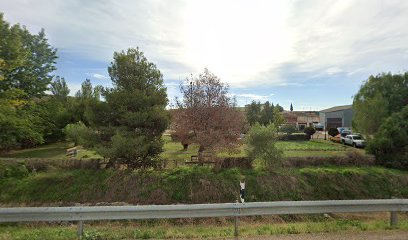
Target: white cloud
255	97
333	70
73	88
99	76
243	42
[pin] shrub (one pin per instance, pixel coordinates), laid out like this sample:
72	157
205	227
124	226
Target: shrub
390	143
309	131
288	129
333	132
294	137
17	171
75	132
261	144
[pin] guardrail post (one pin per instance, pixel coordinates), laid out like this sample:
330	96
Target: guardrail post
236	220
394	219
80	230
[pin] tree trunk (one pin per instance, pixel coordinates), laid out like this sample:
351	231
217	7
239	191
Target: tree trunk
200	155
185	146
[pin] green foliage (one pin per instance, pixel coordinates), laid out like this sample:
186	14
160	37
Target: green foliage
26	64
264	114
253	112
380	114
390	143
309	131
288	128
295	137
267	114
261	141
92	235
27	60
131	120
76	132
17	128
377	99
16	171
333	132
88	92
279	108
49	116
59	89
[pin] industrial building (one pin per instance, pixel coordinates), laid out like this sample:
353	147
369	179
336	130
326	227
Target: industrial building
335	117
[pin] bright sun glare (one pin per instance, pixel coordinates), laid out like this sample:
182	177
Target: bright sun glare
237	40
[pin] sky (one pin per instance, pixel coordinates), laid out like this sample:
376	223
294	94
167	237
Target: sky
314	54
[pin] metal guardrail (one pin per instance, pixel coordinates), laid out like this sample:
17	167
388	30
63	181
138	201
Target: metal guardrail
80	214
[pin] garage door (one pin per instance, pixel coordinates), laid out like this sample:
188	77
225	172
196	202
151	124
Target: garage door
334	123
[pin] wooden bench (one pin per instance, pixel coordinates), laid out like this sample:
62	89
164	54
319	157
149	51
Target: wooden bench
206	158
72	152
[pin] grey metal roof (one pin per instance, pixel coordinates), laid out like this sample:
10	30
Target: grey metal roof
337	108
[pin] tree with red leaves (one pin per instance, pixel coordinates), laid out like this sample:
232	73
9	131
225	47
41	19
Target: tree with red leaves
207	115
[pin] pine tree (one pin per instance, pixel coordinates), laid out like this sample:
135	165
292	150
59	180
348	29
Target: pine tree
129	124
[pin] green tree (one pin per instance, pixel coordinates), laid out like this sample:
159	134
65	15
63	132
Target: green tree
278	117
291	107
131	120
59	88
390	143
87	91
27	60
288	129
279	108
378	98
261	144
309	131
267	114
333	132
76	132
17	130
253	112
84	98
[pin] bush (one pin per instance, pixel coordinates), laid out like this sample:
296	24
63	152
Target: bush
288	129
390	143
75	132
295	137
309	131
261	142
17	171
333	132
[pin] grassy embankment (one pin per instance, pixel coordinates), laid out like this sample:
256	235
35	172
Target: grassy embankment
197	185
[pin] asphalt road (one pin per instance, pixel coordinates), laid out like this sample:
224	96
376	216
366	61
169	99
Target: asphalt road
369	235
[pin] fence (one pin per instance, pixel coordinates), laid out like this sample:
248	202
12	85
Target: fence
236	210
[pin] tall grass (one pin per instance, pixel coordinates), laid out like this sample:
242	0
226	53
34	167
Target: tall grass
133	230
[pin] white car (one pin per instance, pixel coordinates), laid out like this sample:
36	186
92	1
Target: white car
343	135
354	140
